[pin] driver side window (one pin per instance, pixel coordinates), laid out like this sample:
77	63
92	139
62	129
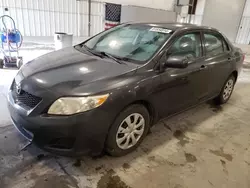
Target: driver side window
187	45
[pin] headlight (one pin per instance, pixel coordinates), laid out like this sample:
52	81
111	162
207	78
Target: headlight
73	105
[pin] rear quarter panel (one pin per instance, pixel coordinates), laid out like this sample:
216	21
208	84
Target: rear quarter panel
239	59
238	55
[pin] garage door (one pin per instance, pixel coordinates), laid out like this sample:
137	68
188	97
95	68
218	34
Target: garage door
224	15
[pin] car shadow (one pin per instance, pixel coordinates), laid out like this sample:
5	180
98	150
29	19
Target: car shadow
158	138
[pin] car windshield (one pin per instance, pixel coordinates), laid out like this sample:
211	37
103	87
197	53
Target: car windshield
132	42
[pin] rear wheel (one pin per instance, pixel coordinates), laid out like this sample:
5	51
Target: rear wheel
129	129
226	91
1	63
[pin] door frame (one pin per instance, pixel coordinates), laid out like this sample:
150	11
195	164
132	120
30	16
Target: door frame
221	37
173	39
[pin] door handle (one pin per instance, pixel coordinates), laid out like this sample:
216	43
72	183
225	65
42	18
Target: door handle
203	67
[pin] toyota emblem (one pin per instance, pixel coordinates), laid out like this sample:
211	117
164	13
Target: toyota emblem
18	89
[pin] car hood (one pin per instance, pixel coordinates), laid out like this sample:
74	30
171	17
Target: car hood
67	70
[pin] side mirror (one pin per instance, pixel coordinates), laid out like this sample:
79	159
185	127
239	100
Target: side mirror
176	61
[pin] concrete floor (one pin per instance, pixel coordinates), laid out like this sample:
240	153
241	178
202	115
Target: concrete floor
207	146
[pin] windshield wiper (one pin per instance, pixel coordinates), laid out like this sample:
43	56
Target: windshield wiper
93	52
104	54
112	57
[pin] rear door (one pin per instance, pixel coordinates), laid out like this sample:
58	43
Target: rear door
218	60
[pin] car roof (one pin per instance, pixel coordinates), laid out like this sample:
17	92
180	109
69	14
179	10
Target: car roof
174	25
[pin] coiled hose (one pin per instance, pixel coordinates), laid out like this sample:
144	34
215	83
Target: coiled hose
16	32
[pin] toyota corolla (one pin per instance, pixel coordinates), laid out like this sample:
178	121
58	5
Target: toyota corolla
105	93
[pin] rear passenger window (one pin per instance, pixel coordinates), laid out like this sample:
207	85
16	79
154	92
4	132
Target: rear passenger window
213	44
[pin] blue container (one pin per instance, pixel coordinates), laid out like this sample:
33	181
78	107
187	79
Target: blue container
14	37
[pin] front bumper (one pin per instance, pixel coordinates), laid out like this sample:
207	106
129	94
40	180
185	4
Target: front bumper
75	135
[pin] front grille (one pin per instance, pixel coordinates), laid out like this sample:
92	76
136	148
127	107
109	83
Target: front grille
24	98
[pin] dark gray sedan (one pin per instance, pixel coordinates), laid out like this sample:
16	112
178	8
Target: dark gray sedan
105	93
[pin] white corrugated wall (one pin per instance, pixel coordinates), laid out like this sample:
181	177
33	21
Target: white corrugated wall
243	36
97	17
45	17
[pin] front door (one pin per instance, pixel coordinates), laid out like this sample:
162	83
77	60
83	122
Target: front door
181	88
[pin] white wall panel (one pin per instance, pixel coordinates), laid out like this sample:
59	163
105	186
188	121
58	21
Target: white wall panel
243	36
142	14
97	17
157	4
45	17
193	19
224	15
200	7
246	12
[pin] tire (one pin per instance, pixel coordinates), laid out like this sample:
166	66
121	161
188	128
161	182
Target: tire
222	97
19	63
130	113
1	63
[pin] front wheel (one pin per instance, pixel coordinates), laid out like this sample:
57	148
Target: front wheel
226	91
128	130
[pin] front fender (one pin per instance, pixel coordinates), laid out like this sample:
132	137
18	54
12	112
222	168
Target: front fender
137	88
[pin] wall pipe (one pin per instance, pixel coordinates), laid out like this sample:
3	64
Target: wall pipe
192	6
89	24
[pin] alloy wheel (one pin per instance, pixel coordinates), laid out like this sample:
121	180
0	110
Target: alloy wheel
228	89
130	131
